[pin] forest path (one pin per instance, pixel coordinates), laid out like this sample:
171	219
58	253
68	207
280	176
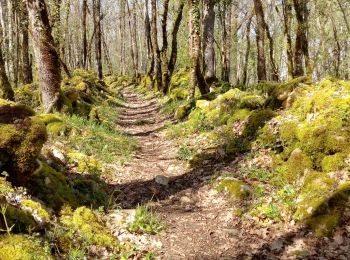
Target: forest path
200	222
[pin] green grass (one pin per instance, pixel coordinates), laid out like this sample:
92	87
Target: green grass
99	140
184	153
146	221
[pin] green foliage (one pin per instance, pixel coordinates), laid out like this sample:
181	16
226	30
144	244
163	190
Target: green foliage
146	221
19	247
236	189
185	153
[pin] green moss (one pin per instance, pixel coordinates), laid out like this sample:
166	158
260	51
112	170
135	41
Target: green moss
238	115
52	187
182	111
257	120
316	190
237	190
252	102
334	162
37	208
86	226
19	247
323	225
85	164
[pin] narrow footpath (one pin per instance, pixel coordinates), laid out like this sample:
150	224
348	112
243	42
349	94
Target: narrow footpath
200	222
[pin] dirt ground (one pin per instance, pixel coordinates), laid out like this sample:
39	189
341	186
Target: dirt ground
200	223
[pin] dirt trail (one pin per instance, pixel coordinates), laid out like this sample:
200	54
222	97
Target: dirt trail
200	222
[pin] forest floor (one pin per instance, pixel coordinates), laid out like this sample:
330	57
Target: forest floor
200	223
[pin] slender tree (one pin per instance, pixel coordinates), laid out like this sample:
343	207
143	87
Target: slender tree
98	36
5	86
260	40
46	56
154	36
208	40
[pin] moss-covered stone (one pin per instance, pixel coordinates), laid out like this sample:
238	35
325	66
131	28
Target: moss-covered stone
323	225
236	189
85	164
52	187
334	162
19	247
22	138
84	225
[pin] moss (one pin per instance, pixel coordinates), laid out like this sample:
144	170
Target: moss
37	208
182	111
237	190
296	166
316	190
323	225
287	132
52	187
10	111
19	247
252	102
20	146
238	115
334	162
86	226
28	95
257	120
85	164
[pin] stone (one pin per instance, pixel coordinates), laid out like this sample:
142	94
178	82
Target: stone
162	180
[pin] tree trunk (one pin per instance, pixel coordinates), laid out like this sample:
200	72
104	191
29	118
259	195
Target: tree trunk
85	44
47	58
196	77
208	40
5	86
301	43
56	22
287	14
26	63
173	55
164	51
260	40
150	54
247	53
98	36
156	51
132	39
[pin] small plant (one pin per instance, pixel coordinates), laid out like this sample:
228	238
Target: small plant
3	213
146	221
184	153
76	254
270	211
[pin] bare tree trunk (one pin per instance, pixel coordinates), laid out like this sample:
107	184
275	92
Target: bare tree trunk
156	51
132	39
26	63
56	22
247	53
98	36
208	41
260	40
150	53
46	56
173	55
85	54
164	51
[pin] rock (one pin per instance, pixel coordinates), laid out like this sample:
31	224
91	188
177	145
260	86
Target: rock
22	138
233	232
186	200
58	155
162	180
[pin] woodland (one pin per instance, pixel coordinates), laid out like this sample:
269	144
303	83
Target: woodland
160	129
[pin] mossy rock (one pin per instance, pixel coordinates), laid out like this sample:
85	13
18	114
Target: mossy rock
85	228
28	95
22	138
183	111
11	111
324	225
52	187
85	164
20	247
236	189
256	121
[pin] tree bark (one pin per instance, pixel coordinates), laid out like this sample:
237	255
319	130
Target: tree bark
196	77
164	51
157	65
287	14
208	40
260	40
150	54
301	42
85	44
5	86
46	56
26	63
98	36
